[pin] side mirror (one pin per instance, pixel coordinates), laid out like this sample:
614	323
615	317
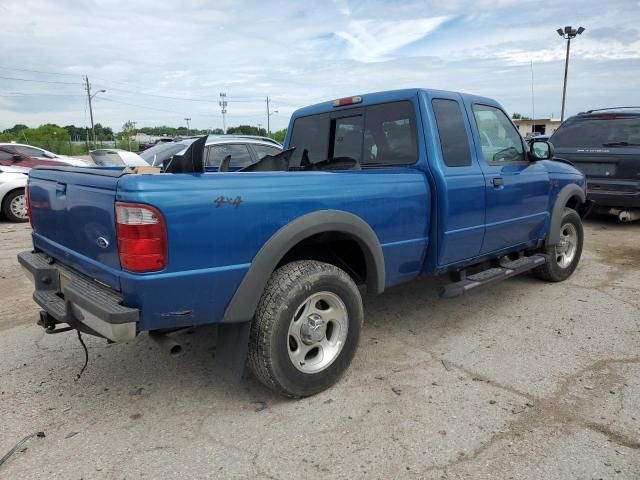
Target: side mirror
17	158
540	150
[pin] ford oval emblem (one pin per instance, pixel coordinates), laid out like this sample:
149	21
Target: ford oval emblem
102	242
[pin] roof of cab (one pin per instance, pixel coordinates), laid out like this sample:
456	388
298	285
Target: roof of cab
388	96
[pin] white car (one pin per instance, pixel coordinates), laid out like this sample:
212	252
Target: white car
30	151
13	181
116	157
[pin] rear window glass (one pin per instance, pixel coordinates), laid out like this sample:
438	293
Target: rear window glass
601	131
382	134
310	134
159	153
454	140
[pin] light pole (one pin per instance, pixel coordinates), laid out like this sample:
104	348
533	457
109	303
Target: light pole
90	97
567	33
188	127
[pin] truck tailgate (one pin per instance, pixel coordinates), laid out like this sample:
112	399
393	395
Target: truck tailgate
73	214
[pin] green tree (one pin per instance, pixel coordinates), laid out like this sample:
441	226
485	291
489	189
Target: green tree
128	130
16	129
246	130
279	135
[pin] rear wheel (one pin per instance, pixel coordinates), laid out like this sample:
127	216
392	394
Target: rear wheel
14	206
306	328
563	257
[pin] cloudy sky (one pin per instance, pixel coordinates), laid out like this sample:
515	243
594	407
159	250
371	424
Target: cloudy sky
163	61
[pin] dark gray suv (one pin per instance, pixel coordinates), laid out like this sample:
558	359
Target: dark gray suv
605	146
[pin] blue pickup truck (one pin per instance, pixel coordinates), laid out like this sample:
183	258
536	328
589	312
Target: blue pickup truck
371	191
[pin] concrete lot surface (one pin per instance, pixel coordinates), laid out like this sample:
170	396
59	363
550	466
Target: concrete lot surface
522	380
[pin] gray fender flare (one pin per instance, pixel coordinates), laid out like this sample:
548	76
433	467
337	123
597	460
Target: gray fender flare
567	192
242	306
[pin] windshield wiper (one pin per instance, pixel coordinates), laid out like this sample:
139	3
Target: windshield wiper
620	144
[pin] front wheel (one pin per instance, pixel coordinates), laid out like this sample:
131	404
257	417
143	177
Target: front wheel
563	257
306	328
14	206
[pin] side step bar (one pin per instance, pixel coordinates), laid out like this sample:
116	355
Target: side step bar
507	269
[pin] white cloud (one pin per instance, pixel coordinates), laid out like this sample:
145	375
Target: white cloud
374	40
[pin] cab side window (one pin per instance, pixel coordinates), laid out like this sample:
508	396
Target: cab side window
500	141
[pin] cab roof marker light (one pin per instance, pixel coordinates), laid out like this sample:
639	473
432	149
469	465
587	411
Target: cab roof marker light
342	102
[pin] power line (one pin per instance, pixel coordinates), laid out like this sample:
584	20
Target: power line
39	71
39	81
153	108
20	94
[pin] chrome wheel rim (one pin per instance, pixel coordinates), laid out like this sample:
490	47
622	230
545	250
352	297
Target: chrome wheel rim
567	246
18	207
317	332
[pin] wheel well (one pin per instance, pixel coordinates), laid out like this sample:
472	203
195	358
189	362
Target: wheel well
337	248
574	202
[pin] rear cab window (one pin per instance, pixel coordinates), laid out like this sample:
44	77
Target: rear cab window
375	135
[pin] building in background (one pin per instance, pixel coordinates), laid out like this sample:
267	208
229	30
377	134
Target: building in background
539	126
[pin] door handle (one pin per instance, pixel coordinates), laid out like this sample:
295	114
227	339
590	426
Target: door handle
498	182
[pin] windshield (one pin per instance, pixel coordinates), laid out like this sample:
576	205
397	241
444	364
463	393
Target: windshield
606	130
159	153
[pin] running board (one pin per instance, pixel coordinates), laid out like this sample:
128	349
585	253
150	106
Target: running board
507	269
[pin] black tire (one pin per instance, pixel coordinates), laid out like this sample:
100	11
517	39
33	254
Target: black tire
288	288
6	206
553	271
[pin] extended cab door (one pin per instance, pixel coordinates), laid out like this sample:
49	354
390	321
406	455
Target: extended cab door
517	191
460	183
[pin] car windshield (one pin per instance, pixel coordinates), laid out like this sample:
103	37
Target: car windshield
159	153
606	130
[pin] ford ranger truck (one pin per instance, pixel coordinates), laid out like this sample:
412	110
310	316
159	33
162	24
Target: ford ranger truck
371	191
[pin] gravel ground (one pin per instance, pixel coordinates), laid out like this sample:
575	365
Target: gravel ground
522	380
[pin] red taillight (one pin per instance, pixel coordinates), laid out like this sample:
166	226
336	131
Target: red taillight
342	102
142	237
26	199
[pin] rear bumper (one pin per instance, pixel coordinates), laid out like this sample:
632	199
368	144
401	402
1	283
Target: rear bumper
72	298
614	193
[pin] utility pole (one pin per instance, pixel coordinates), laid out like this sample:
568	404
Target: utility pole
567	33
188	127
269	113
89	98
88	88
223	104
